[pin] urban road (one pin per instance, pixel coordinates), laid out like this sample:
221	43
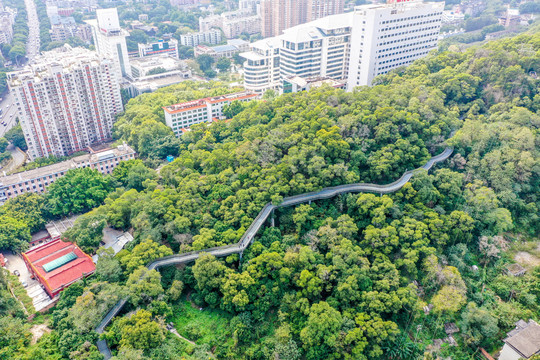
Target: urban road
259	221
8	117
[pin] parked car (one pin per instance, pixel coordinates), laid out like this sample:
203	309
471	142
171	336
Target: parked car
16	272
24	283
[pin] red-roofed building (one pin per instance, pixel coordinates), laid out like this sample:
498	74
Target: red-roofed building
58	264
181	116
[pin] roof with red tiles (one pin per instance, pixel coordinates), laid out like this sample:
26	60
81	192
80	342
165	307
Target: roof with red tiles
64	275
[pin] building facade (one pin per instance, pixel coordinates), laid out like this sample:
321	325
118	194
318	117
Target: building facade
356	46
37	180
211	37
110	39
7	19
181	117
66	101
279	15
160	47
232	23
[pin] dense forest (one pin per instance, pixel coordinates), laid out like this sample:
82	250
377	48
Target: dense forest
345	278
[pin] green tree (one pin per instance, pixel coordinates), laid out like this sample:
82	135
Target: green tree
320	336
205	62
144	285
142	254
14	234
140	331
223	64
77	191
108	268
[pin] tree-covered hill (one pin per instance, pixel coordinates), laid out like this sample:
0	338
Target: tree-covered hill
344	278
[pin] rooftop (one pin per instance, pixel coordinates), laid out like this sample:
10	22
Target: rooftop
58	264
63	166
525	338
202	102
166	62
63	59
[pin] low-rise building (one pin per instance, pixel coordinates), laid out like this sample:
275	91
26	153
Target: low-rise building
147	65
37	180
523	342
58	264
180	117
233	47
211	37
295	84
160	47
151	83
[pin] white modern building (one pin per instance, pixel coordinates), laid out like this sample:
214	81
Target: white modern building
160	47
7	19
67	100
110	39
355	46
180	117
211	37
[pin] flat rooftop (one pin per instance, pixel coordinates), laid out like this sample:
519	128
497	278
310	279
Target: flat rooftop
64	166
172	109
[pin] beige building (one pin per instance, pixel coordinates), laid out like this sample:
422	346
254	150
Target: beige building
67	100
523	342
278	15
37	180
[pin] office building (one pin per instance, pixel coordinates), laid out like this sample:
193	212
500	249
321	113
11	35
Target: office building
37	180
67	100
389	36
211	37
355	47
160	47
180	117
110	39
279	15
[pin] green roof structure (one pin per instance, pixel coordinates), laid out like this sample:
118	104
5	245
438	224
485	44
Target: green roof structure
62	260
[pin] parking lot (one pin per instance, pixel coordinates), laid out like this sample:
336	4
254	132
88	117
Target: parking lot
33	288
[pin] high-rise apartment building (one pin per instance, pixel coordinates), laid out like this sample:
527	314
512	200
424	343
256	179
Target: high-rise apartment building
279	15
67	101
320	8
110	39
356	46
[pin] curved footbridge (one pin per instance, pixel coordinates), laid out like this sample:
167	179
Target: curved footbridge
259	221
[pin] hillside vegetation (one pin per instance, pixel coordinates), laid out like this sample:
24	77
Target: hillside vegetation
345	278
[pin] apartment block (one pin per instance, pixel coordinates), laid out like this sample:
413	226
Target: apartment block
67	100
180	117
110	39
211	37
37	180
232	23
279	15
355	46
7	19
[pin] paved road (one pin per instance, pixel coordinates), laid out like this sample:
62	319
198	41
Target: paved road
259	221
17	159
9	114
32	46
9	110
